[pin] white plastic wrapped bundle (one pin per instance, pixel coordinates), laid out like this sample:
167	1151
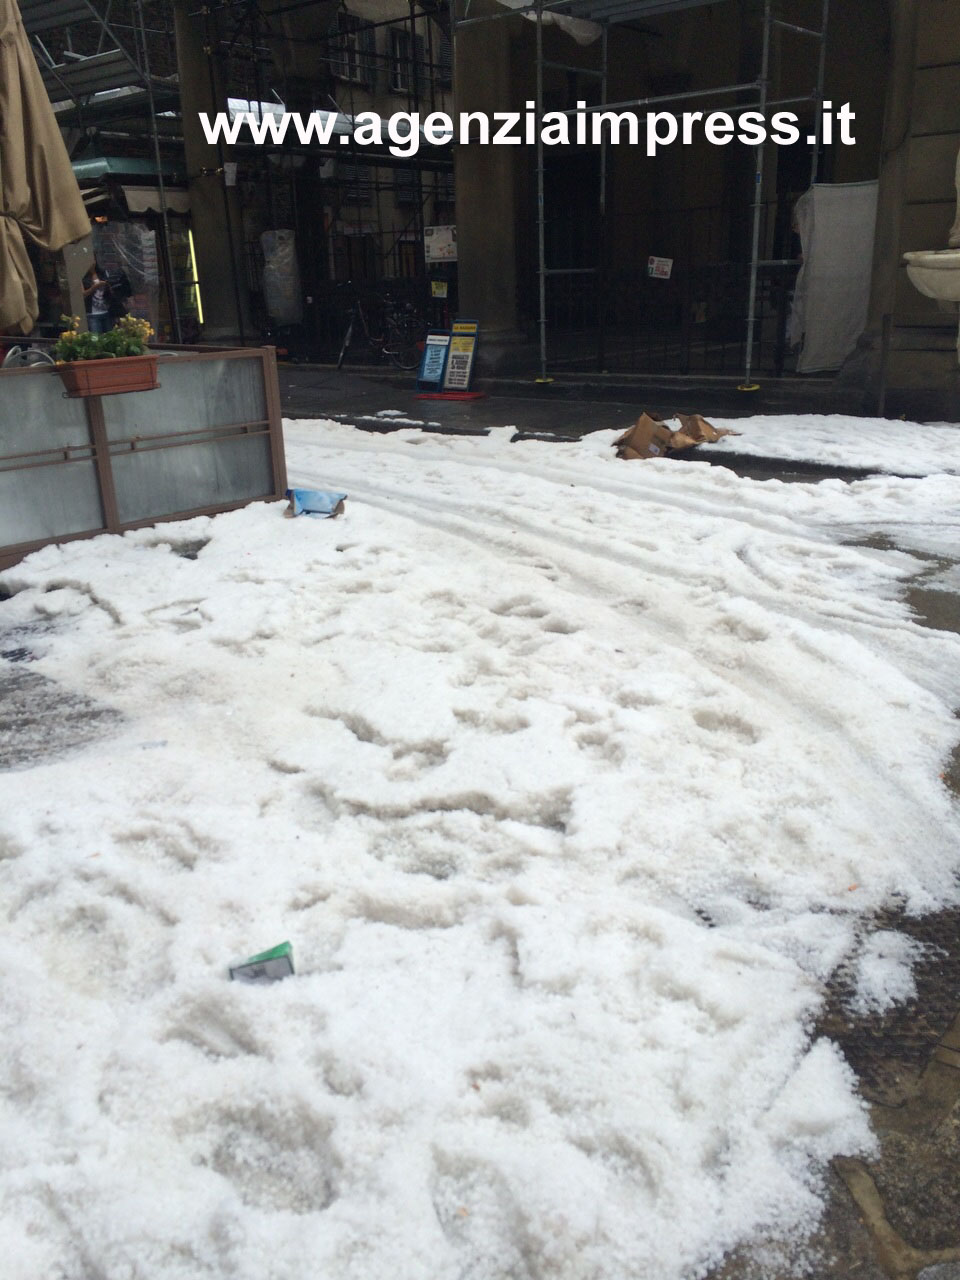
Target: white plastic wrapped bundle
836	224
281	277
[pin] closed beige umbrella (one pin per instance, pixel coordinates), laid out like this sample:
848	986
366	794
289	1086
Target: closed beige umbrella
39	196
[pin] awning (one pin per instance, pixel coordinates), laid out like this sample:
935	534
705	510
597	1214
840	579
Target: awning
145	199
39	196
93	168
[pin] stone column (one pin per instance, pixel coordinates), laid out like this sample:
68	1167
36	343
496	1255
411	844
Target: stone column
865	374
214	208
895	162
485	187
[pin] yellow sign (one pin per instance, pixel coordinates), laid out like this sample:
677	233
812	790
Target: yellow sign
463	350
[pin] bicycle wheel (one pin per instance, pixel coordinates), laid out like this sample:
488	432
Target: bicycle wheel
403	338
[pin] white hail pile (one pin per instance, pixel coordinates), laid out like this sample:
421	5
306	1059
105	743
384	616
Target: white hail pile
572	782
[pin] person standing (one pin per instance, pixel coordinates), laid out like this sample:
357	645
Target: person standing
96	293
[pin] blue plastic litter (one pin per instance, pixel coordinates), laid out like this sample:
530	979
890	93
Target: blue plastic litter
315	502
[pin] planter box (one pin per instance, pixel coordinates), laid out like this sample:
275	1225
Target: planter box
109	377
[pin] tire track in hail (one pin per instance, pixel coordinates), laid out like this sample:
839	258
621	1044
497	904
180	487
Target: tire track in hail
753	679
451	517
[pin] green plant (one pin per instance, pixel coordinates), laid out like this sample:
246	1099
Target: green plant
128	337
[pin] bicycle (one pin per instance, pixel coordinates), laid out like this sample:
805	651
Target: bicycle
402	336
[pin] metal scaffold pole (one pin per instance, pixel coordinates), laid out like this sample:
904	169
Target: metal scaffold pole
602	237
541	231
818	100
211	34
413	101
748	384
166	257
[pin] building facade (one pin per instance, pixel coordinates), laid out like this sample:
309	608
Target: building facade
555	245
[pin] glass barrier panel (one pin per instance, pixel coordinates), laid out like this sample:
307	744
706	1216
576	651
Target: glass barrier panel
49	502
193	394
163	482
44	501
35	414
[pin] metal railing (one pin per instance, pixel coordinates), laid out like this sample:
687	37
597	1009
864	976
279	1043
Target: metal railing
616	317
693	323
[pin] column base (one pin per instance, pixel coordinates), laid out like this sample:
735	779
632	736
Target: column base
506	351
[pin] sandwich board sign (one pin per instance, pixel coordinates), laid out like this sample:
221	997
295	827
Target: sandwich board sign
433	362
463	352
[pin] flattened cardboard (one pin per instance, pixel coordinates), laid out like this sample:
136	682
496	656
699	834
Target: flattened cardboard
700	430
651	438
680	440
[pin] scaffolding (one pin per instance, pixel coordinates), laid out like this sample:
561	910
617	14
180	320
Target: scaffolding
356	175
99	61
609	13
107	80
117	57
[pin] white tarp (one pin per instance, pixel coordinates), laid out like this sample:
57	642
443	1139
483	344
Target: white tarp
836	224
281	277
582	30
131	248
144	199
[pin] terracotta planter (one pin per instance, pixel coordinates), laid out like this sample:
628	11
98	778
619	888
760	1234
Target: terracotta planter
110	377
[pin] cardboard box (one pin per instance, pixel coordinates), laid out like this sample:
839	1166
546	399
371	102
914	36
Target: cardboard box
647	438
268	966
651	438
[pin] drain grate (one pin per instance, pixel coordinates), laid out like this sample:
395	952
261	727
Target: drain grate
889	1050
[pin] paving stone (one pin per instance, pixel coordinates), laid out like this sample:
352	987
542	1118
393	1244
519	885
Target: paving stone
40	720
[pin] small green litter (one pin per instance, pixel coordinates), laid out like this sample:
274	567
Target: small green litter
268	966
